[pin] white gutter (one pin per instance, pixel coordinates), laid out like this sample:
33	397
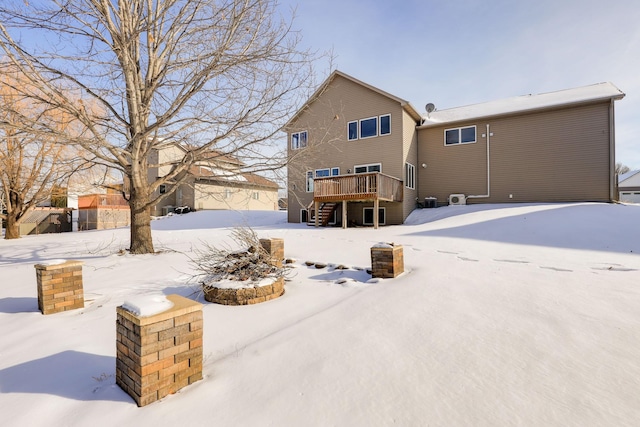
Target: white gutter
613	177
484	196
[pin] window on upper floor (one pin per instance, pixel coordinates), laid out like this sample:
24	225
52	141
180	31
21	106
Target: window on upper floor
465	135
298	140
385	124
369	127
162	189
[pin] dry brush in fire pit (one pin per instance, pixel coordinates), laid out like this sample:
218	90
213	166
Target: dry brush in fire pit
233	276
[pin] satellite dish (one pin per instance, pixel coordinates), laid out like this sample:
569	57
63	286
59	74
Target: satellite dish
430	108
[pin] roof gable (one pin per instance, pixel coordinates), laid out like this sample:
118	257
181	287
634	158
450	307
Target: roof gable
406	105
525	103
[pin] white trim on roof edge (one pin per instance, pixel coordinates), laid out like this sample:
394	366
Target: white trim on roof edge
525	103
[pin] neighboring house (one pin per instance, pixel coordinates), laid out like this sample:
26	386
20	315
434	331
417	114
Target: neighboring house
214	183
629	187
355	150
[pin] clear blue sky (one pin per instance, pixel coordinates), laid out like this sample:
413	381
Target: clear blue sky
461	52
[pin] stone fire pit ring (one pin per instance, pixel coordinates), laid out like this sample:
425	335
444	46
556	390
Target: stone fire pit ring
243	295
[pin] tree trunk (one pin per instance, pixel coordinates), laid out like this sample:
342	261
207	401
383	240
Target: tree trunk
13	228
141	240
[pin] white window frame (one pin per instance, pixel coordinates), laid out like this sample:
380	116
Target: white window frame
334	171
309	182
380	124
384	215
360	127
227	194
459	130
256	195
298	138
349	138
368	166
409	176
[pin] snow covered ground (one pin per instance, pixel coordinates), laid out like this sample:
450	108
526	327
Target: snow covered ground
506	315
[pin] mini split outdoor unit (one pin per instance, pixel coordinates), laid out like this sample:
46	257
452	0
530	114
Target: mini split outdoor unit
457	199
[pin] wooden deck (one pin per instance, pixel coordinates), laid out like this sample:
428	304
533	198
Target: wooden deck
359	187
362	187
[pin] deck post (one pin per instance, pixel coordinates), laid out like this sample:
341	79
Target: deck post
344	214
316	206
376	208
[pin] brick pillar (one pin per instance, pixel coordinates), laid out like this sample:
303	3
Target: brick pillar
387	260
275	248
159	354
59	286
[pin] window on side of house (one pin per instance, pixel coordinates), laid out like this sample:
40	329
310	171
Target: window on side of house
309	181
298	140
374	167
352	130
369	127
464	135
367	216
162	189
256	195
322	173
410	176
227	193
385	124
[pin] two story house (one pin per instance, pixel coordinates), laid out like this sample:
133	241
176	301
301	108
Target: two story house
217	182
361	156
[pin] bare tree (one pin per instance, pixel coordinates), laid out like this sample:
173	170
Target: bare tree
208	74
32	164
621	168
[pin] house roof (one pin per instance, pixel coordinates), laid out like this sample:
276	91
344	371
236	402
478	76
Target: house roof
244	179
631	178
208	156
525	103
406	105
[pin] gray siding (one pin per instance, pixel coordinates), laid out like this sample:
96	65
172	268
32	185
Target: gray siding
552	156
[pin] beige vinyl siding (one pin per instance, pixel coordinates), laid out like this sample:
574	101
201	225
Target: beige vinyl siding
325	120
208	196
410	155
551	156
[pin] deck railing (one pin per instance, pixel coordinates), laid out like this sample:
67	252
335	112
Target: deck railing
362	186
102	201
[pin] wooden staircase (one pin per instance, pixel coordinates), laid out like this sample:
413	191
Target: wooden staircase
326	211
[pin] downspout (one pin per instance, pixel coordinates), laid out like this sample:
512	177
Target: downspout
613	177
484	196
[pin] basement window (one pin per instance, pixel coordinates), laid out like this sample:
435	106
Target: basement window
368	216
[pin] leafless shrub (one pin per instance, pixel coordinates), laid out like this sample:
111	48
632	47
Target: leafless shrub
248	260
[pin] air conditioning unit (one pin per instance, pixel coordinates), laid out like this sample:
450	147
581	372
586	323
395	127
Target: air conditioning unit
457	199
